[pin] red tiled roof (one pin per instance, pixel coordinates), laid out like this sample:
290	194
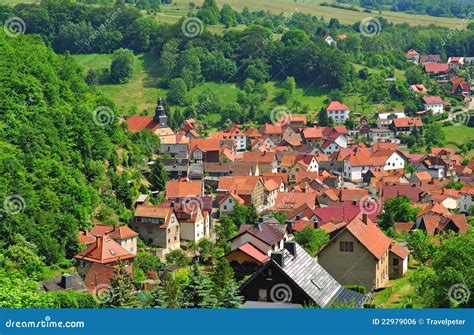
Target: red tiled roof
433	100
436	68
407	122
412	192
292	200
298	225
400	251
312	132
122	232
336	106
412	52
369	235
86	238
259	157
183	188
105	250
355	194
204	144
137	123
253	252
403	226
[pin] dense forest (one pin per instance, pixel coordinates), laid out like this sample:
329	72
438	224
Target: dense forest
58	160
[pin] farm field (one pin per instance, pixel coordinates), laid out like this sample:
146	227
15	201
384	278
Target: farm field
179	7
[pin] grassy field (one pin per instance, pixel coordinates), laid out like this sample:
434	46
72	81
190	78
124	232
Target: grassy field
312	7
141	91
179	8
456	135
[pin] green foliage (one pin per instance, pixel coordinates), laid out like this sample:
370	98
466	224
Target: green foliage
158	176
450	280
357	288
53	148
398	209
177	257
73	299
171	291
122	288
197	292
178	92
421	246
148	261
121	69
224	231
17	291
311	239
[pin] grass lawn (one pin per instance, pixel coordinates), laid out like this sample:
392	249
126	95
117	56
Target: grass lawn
456	135
141	91
392	296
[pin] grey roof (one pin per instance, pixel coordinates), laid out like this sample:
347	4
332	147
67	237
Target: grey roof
55	283
310	277
318	284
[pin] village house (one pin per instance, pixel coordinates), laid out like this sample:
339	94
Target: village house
455	62
250	189
398	259
106	252
467	198
234	133
358	254
338	111
123	235
412	56
267	161
434	104
157	225
183	188
204	150
440	71
430	59
418	89
406	125
384	120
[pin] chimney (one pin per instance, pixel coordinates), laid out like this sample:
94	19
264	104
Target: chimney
289	226
277	257
291	247
66	281
365	218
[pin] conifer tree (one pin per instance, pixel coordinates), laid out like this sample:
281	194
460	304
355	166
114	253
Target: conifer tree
197	293
122	289
170	290
230	297
158	176
158	298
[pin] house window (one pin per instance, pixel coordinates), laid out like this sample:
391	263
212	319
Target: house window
395	262
225	207
150	231
346	246
262	294
81	264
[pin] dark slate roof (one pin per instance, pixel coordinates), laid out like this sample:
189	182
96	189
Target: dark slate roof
268	232
55	283
318	284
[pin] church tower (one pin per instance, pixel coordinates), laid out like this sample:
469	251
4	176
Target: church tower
160	114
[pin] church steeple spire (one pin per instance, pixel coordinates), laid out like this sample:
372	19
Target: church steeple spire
160	113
